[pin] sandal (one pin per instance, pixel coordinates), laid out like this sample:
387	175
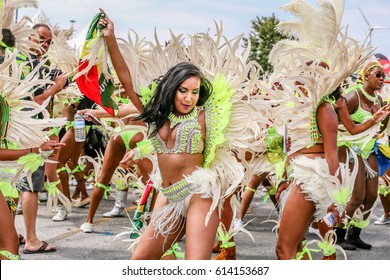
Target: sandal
41	249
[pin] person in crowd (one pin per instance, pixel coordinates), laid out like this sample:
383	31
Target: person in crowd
362	103
249	193
69	157
9	240
33	244
42	35
117	146
188	189
7	41
320	182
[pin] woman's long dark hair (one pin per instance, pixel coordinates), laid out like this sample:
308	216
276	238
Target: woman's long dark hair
336	94
162	102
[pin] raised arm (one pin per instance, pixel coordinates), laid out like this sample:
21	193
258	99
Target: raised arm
124	111
59	83
118	61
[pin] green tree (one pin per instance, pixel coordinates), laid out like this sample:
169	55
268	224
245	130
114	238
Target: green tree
262	38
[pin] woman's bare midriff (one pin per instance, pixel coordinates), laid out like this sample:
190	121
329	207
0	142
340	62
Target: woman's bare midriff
314	151
173	167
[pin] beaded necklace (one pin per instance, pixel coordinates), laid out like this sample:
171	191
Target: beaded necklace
373	99
175	120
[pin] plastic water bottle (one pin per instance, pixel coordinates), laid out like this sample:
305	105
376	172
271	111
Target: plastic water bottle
274	143
79	128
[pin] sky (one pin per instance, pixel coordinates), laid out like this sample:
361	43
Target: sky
183	16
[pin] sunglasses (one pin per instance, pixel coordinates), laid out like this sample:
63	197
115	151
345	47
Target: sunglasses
43	41
380	74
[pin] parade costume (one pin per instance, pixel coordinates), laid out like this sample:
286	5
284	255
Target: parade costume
319	68
228	117
188	140
367	144
362	144
20	130
20	29
384	185
307	70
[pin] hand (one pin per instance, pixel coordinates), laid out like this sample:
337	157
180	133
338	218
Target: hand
106	24
51	145
60	80
282	187
337	218
382	113
127	160
85	113
93	115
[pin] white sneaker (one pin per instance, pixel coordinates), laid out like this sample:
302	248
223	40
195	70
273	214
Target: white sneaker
42	196
86	227
382	221
115	212
237	223
61	214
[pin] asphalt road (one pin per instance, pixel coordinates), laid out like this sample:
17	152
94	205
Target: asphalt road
72	244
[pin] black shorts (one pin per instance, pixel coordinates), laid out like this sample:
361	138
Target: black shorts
37	179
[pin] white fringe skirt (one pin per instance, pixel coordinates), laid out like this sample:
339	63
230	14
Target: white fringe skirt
170	218
310	174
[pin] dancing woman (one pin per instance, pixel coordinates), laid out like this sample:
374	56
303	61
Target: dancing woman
320	184
180	115
362	103
22	145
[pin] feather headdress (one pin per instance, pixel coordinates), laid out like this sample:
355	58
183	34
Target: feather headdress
312	65
61	54
22	129
21	30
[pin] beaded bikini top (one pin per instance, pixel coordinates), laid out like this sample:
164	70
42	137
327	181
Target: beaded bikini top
188	135
360	115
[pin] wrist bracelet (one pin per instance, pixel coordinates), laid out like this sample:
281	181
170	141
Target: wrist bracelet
45	154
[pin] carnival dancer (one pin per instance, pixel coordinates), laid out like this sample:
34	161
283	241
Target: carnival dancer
23	147
308	76
362	103
189	128
123	140
19	129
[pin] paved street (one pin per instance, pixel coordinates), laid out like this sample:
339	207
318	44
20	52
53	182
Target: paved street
72	244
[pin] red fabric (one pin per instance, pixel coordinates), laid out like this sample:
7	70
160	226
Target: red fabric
89	85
